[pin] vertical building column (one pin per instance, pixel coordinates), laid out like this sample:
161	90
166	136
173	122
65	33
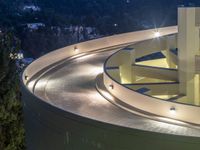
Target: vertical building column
197	90
169	60
188	41
126	70
170	45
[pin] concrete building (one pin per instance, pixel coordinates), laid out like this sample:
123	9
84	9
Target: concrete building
145	95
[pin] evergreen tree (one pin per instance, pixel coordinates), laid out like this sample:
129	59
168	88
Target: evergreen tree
11	127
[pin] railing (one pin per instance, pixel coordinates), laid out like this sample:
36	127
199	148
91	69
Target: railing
103	43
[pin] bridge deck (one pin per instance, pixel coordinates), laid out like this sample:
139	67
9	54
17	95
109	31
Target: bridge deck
71	87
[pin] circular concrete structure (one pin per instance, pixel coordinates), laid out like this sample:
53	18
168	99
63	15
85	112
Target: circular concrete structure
63	109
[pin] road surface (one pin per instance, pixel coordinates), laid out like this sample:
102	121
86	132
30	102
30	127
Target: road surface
71	86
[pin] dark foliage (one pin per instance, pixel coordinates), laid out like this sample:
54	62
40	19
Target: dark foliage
11	126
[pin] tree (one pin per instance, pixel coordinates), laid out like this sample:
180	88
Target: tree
11	126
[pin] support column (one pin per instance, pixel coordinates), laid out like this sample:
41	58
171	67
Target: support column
188	46
170	45
169	59
197	90
126	70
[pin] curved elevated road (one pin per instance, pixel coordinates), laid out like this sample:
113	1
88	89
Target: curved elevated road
71	86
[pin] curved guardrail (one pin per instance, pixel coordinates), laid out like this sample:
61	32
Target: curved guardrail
102	43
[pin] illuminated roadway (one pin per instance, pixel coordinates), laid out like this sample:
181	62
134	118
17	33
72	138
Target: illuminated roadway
71	86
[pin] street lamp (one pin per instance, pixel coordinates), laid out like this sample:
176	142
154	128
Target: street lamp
157	34
76	49
173	110
111	87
